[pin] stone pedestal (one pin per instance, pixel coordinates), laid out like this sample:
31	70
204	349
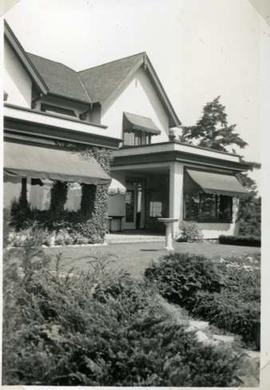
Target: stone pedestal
176	195
169	232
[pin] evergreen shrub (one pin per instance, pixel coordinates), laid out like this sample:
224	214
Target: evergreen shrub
98	328
226	293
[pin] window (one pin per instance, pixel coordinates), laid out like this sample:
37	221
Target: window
136	138
74	196
155	209
130	205
202	207
207	207
40	194
58	110
191	206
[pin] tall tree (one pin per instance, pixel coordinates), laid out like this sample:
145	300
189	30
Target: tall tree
212	129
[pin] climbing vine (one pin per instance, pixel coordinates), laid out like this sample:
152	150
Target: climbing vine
58	198
87	225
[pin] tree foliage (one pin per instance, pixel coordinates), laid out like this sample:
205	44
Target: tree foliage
212	129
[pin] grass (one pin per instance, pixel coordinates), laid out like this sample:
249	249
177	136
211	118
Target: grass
136	257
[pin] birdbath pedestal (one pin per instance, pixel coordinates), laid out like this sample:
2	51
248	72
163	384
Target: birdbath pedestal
168	240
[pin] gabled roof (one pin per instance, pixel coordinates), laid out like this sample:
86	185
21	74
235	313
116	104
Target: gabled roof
60	79
25	60
93	85
104	80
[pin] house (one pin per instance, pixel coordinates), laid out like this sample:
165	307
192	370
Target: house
102	142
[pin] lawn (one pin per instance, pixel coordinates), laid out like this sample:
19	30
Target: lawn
136	257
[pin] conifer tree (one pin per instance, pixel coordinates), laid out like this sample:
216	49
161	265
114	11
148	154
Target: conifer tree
212	129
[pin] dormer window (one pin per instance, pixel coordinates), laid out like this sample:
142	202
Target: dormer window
138	130
57	110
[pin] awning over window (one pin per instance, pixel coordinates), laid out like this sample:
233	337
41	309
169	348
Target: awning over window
44	163
116	187
138	122
214	183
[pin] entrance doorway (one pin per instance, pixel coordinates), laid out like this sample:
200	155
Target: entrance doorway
135	205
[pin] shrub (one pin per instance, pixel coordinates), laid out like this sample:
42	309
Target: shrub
226	293
240	240
98	328
190	232
249	216
180	276
229	311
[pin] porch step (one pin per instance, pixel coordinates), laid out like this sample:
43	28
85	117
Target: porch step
128	238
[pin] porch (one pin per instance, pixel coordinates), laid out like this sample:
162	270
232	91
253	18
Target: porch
178	181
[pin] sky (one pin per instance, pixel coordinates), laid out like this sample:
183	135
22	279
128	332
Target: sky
200	49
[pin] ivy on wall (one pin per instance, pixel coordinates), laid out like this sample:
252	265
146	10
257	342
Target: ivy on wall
88	200
90	221
95	225
58	198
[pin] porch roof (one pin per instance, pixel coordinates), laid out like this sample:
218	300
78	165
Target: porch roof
214	183
167	152
46	163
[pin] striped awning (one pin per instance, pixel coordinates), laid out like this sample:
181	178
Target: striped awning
139	122
46	163
214	183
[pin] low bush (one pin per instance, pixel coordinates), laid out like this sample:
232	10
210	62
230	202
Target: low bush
180	276
226	293
229	311
240	240
97	328
190	232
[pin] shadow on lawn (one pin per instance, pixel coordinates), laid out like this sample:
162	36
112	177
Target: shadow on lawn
150	250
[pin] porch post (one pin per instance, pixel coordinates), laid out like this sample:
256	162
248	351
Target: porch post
176	194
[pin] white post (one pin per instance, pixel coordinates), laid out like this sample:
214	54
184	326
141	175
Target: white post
168	240
235	208
176	195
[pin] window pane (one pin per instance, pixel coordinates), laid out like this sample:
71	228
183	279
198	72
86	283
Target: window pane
207	207
155	209
130	206
136	139
129	139
225	208
191	206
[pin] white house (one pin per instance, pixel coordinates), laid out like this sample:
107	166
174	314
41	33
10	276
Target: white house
121	108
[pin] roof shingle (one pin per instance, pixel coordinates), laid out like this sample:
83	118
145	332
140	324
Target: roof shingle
102	80
60	79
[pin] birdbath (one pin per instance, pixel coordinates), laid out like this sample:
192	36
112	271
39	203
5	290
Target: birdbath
169	224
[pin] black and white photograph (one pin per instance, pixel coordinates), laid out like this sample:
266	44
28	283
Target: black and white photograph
132	184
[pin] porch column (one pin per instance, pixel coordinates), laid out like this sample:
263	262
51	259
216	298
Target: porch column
176	194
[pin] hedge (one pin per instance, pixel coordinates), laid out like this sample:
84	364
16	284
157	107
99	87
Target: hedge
240	240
